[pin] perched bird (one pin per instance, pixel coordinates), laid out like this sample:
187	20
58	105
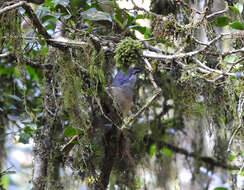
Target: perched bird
122	89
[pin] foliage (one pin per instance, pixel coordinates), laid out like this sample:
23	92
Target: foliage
4	182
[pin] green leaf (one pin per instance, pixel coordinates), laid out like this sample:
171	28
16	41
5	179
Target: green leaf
118	17
44	51
32	72
221	188
15	97
232	157
43	42
141	16
147	33
4	181
152	150
141	29
242	173
50	26
80	132
239	6
29	130
49	3
230	59
166	151
6	71
24	138
70	23
129	19
70	131
237	25
94	14
235	9
90	92
50	17
17	73
222	21
77	3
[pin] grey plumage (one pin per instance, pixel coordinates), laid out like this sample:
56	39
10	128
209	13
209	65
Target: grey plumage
122	89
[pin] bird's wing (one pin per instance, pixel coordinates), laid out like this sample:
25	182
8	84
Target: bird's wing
119	79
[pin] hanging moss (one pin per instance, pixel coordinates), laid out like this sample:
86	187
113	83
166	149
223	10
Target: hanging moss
166	30
80	79
10	31
95	65
199	96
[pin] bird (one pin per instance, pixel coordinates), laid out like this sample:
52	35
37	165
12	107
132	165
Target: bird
122	89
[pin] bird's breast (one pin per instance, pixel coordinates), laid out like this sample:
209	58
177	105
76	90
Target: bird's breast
123	97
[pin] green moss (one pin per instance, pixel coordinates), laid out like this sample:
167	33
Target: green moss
128	53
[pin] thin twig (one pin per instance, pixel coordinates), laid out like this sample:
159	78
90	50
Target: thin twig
239	111
149	67
131	119
152	48
241	169
7	171
10	7
222	76
213	70
68	146
142	9
59	41
191	8
215	14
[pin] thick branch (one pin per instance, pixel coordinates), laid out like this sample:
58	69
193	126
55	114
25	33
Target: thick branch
40	29
149	54
35	21
6	55
181	55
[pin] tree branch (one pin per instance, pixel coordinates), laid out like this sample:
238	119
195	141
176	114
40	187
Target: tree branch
213	70
7	171
132	119
240	111
10	7
188	54
6	55
215	14
35	21
13	57
207	160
